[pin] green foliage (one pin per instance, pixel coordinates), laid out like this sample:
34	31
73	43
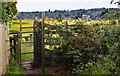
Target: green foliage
113	45
14	68
100	67
84	48
91	68
8	11
95	44
111	39
25	49
13	7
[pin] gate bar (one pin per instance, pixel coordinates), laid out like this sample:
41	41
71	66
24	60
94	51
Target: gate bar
27	32
26	42
27	53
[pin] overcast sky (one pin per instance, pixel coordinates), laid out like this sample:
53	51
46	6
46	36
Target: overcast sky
44	5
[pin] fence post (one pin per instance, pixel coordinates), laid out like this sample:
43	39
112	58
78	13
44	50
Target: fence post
35	57
37	44
17	51
19	47
14	46
20	25
43	59
20	37
66	25
11	46
30	37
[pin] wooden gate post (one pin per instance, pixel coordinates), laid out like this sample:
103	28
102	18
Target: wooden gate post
66	25
15	46
19	41
19	48
37	44
34	35
11	38
17	51
43	58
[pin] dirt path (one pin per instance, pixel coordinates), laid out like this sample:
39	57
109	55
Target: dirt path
48	70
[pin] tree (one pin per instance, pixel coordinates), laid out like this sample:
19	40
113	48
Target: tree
112	1
49	10
8	9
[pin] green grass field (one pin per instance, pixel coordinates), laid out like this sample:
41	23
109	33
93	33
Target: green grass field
25	23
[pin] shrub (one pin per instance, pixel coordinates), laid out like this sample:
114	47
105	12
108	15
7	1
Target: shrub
79	48
14	68
97	45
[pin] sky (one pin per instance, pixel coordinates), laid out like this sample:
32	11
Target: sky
45	5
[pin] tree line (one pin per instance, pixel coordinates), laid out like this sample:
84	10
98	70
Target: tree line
89	13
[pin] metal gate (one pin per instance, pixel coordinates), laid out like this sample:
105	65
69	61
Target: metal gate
25	46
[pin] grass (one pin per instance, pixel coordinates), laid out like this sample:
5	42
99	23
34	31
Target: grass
26	48
16	26
25	23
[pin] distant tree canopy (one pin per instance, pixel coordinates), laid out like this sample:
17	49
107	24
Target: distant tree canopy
59	14
8	9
